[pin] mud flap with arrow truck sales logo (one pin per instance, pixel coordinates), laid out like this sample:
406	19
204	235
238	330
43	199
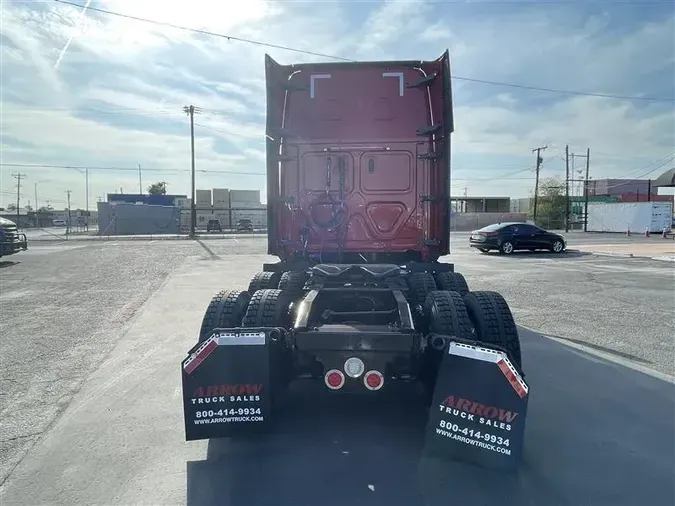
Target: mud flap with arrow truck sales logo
478	409
227	383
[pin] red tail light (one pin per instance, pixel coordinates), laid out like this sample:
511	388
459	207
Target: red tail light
334	379
489	234
373	380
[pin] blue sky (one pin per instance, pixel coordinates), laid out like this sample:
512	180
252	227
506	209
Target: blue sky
114	98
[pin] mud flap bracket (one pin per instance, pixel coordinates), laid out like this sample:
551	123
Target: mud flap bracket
479	406
227	382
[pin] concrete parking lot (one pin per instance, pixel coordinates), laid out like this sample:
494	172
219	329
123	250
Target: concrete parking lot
93	332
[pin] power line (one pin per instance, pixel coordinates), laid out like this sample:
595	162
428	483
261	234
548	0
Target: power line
135	169
230	172
25	196
651	167
340	58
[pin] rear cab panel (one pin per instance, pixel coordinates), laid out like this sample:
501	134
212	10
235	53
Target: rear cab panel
358	157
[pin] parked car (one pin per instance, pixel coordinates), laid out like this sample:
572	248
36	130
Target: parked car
213	226
509	237
244	225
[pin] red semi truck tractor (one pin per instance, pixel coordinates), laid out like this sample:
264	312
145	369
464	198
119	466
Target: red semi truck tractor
358	202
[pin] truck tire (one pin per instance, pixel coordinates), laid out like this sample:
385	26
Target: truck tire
268	308
445	313
453	282
420	284
293	282
226	309
494	324
263	280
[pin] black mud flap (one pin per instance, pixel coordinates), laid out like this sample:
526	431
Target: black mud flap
227	386
479	406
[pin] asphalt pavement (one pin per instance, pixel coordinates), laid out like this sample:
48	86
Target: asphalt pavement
92	336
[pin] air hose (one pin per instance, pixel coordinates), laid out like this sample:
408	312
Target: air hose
337	207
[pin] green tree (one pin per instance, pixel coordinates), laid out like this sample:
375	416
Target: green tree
157	188
551	203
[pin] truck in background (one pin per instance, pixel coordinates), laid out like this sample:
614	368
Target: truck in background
11	241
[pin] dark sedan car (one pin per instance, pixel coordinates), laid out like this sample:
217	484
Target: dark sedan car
509	237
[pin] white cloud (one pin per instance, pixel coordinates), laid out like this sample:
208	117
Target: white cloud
116	98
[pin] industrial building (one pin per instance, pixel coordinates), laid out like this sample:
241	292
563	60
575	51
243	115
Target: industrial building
155	214
638	189
151	200
472	213
123	218
480	204
225	205
29	218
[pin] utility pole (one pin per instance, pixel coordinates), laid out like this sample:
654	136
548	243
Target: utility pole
140	181
18	178
588	162
574	180
68	223
536	180
567	188
86	196
190	110
37	207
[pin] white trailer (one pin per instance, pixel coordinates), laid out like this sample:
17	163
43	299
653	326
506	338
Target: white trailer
634	216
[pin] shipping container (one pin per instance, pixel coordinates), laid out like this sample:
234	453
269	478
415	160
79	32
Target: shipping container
244	198
221	198
634	216
203	198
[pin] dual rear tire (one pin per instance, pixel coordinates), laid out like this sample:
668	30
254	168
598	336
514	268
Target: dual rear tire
264	304
482	316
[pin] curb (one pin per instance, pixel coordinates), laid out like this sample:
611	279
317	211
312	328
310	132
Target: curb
664	258
612	254
615	254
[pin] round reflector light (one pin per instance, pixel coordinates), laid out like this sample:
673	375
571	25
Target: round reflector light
354	367
373	380
334	379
